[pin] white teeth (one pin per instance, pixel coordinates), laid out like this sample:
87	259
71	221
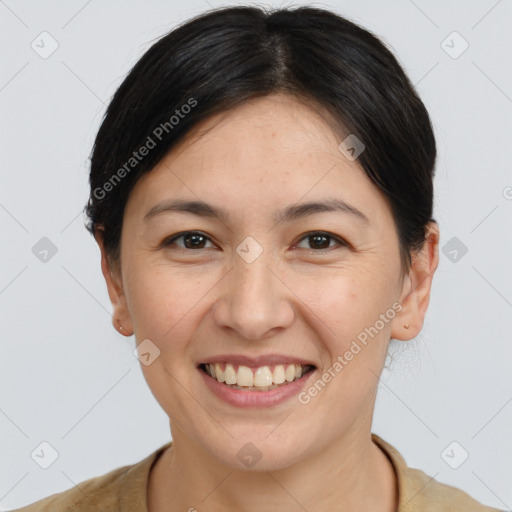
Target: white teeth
244	377
229	374
219	373
290	373
278	376
262	378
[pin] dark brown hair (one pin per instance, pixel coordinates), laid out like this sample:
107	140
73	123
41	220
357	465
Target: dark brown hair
228	55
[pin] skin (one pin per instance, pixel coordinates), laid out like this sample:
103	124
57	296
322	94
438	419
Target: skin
294	299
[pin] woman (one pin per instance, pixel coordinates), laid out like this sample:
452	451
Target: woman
261	193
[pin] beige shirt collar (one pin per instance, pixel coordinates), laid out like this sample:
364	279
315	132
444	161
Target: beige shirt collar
416	491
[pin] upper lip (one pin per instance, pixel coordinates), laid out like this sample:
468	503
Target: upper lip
255	362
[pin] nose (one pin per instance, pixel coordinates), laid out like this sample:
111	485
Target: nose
254	300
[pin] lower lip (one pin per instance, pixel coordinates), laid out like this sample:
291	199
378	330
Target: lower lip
240	398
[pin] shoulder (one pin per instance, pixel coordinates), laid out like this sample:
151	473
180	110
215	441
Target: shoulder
97	490
434	495
113	491
420	492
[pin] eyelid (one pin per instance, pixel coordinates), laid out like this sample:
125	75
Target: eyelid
171	239
341	242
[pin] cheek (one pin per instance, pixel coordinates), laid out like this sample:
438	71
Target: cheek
164	303
167	303
343	303
348	311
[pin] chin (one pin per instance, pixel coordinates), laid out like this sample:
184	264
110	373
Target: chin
252	451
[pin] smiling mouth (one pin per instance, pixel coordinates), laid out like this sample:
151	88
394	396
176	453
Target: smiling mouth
263	378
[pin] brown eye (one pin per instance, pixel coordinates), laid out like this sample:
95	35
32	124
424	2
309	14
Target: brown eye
320	240
191	239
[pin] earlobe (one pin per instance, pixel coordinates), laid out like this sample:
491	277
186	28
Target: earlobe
117	325
121	318
417	286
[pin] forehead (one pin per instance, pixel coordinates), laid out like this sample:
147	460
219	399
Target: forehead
267	151
278	122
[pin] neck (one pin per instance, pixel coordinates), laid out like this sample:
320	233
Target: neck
351	474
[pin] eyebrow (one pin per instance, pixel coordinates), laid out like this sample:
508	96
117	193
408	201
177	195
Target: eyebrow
288	214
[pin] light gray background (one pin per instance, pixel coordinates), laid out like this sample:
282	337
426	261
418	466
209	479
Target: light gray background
68	378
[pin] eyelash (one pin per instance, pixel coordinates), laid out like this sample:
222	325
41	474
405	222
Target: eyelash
170	241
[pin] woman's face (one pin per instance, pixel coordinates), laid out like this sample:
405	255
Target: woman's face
256	290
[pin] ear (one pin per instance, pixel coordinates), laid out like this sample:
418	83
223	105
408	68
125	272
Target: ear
415	294
121	315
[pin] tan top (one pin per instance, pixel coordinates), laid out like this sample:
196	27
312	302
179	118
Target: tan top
125	490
